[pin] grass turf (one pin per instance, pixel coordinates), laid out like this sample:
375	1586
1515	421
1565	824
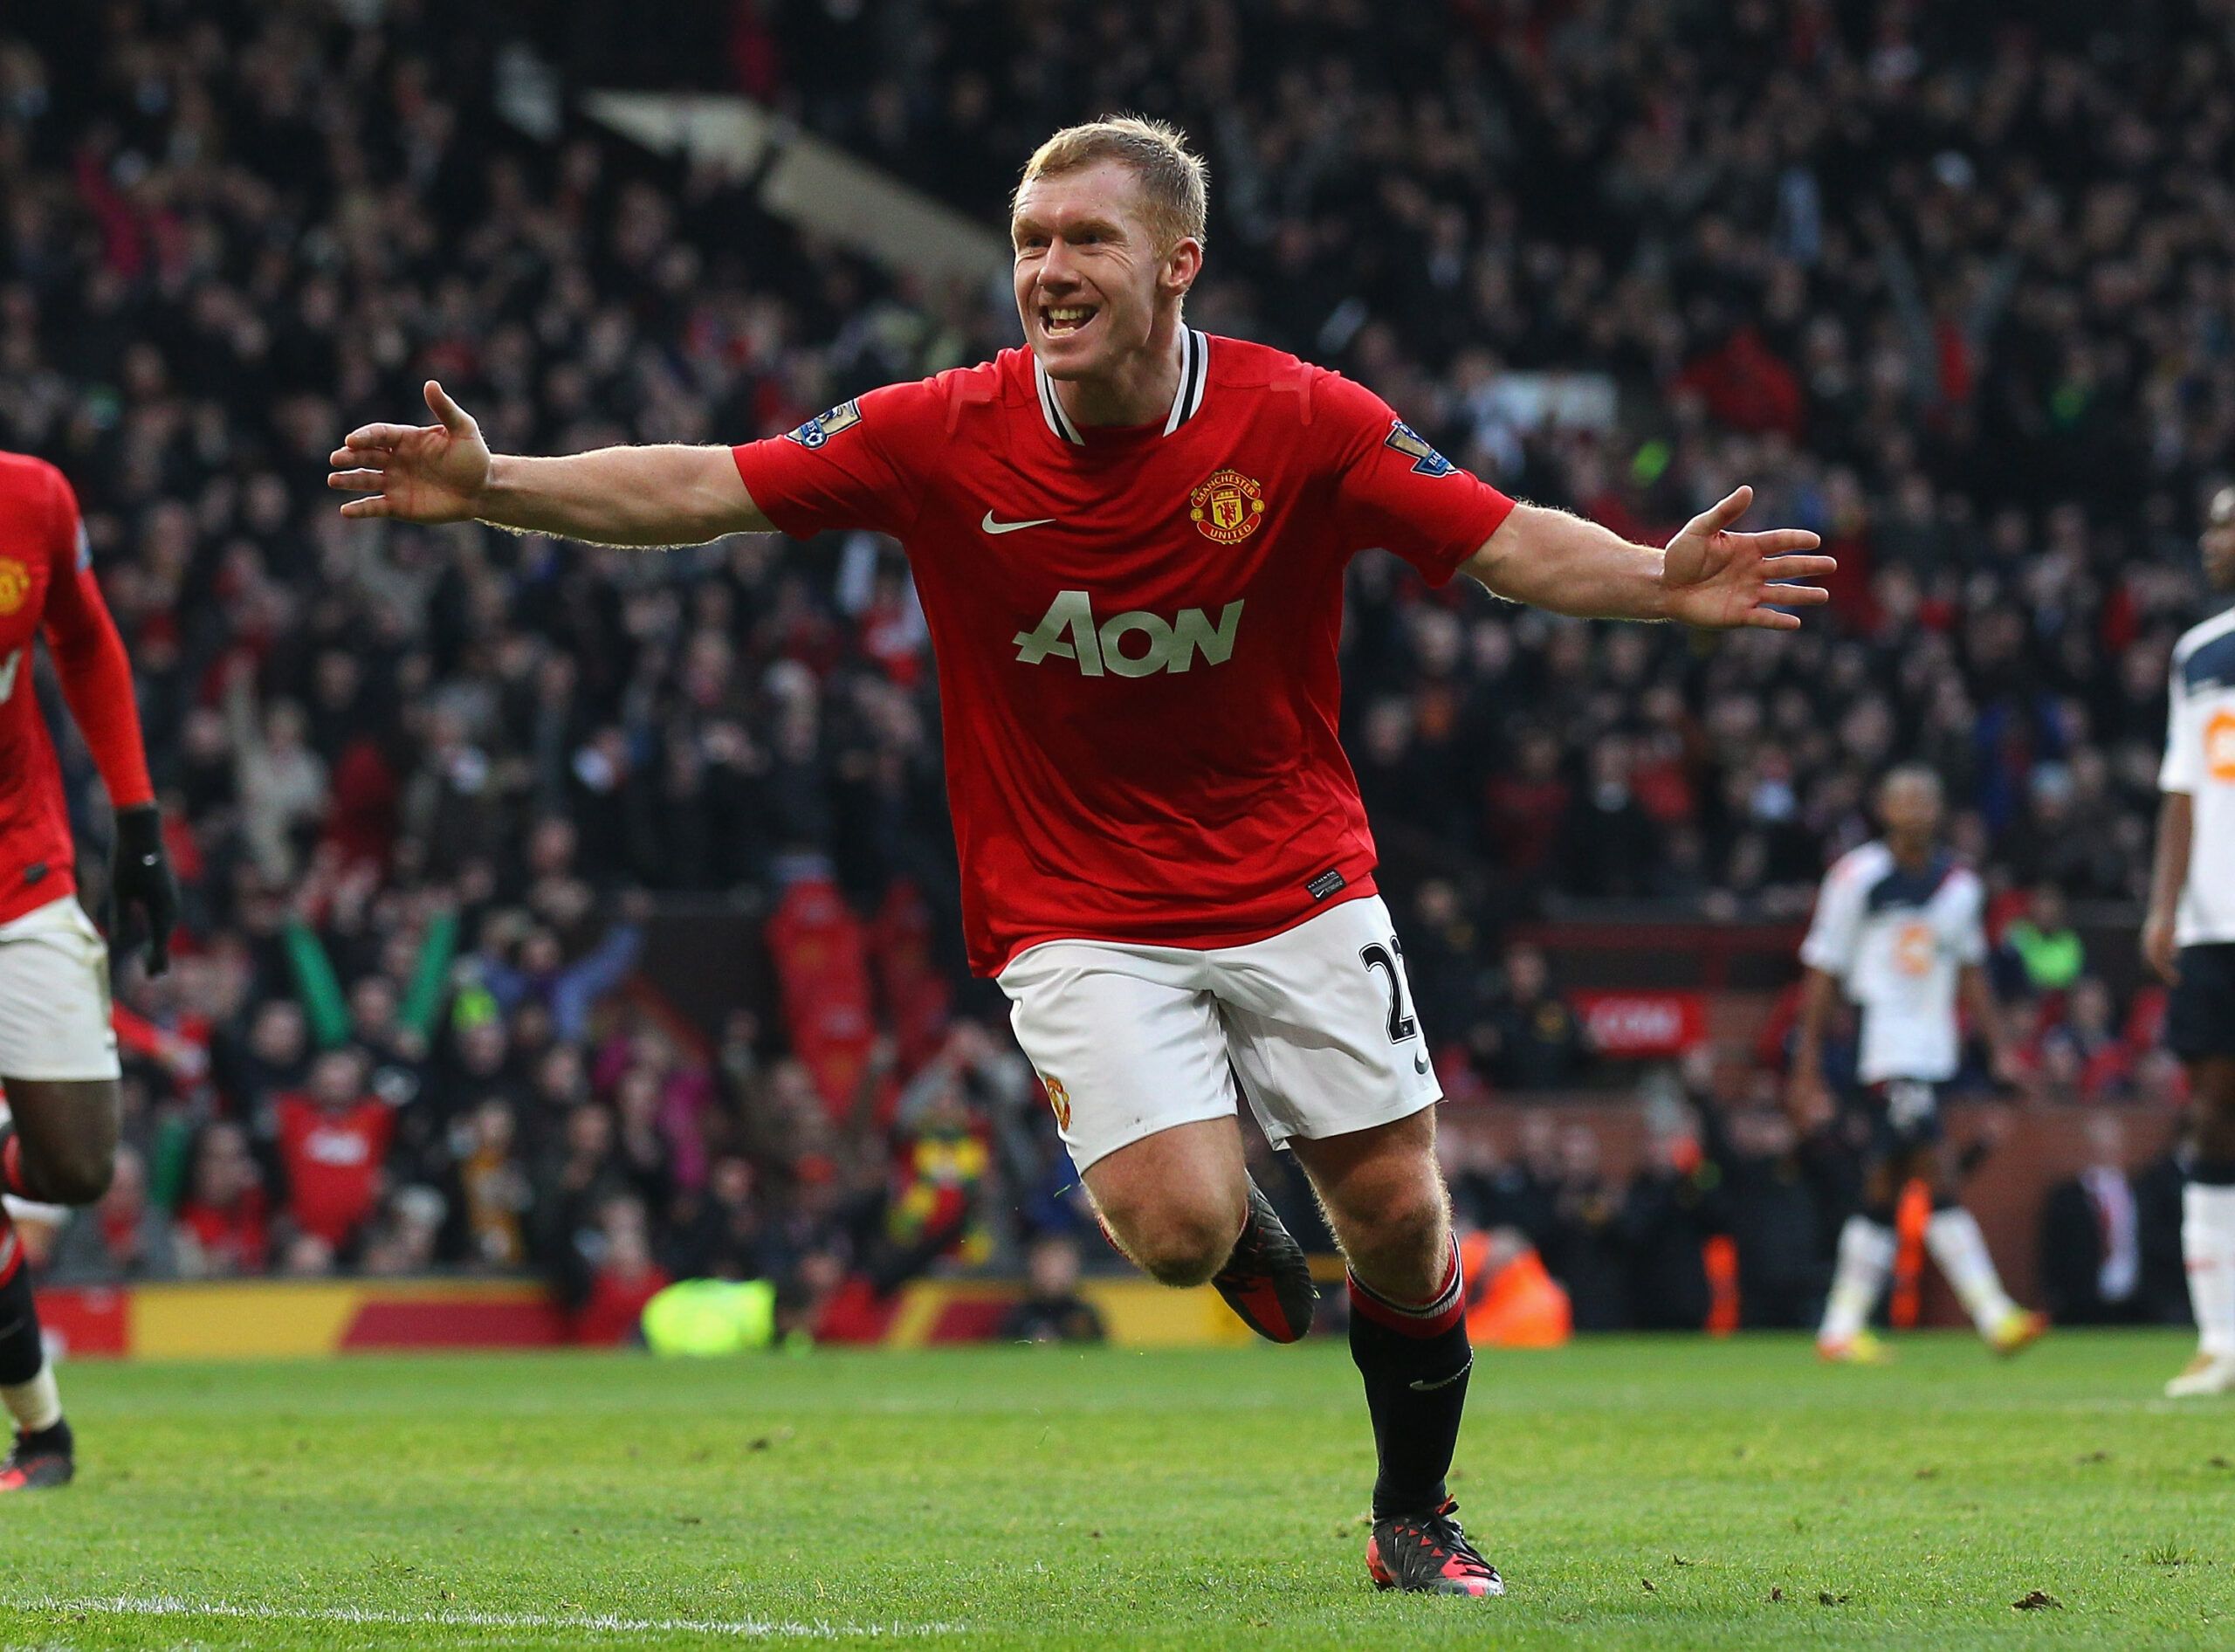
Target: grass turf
1636	1493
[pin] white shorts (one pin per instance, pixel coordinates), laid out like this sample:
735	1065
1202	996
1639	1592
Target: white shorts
1316	1020
54	1013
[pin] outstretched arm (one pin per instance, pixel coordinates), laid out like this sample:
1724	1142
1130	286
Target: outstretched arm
1707	577
627	496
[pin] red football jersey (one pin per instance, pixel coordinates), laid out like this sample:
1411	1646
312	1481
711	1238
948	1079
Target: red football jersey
332	1160
46	580
1135	629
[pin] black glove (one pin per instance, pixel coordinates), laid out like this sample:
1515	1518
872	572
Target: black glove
142	877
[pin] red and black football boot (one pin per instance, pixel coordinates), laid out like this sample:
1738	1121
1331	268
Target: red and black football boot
1268	1279
40	1461
1428	1554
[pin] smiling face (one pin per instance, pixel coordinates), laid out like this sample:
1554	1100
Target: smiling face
1095	289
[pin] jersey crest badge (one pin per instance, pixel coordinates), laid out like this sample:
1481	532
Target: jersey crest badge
15	584
1059	1102
1427	461
1227	507
823	426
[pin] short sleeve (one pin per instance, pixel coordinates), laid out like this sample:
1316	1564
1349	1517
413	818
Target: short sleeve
1395	492
863	465
1838	924
2184	743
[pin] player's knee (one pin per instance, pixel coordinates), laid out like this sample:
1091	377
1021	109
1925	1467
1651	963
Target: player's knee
1183	1244
1403	1226
78	1174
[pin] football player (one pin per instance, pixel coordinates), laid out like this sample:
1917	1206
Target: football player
2189	938
57	1050
1899	927
1129	538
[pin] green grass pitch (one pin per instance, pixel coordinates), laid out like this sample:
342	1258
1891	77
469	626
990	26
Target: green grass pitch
1637	1493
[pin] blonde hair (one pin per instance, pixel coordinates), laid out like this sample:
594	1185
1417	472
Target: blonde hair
1174	180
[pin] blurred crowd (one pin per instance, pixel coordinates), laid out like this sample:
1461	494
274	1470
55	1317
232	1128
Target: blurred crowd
1948	285
1729	1218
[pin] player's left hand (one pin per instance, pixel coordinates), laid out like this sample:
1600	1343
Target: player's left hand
1718	580
142	878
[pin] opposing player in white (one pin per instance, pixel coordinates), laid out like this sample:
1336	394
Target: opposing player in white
2189	939
1898	926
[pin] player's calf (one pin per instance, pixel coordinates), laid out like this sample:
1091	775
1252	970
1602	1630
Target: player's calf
2208	1232
42	1456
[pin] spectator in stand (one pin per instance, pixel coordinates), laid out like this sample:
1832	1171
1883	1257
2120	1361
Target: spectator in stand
2041	953
1531	1040
1052	1309
527	963
333	1138
2085	1056
1779	1200
282	782
1588	1252
2091	1236
404	1233
721	1232
494	1194
623	1275
1491	1190
123	1236
579	1177
1673	1205
222	1227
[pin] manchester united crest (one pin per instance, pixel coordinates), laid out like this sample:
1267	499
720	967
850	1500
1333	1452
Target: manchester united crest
1226	507
15	584
1059	1102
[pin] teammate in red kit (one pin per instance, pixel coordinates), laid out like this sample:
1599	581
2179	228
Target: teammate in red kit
1130	539
58	1051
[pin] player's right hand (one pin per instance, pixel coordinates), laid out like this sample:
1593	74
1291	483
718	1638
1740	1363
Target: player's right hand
415	473
2158	948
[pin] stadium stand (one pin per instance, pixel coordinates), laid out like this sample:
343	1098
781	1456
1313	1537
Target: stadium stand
424	788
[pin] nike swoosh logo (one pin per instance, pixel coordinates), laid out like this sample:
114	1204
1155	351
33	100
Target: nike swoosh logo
1443	1382
992	527
1420	1064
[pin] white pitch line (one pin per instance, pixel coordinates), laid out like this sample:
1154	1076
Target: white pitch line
165	1606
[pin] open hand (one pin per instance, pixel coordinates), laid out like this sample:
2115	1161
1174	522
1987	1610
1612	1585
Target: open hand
1718	580
415	473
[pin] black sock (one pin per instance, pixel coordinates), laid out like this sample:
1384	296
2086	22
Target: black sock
1414	1361
21	1351
2213	1173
